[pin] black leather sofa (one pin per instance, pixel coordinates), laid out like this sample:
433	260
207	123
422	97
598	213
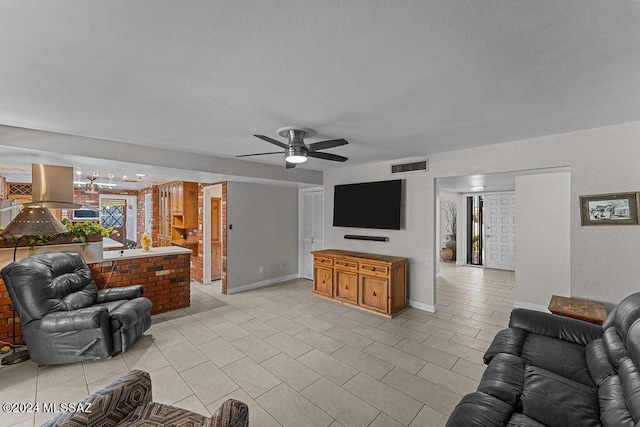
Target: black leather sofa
548	370
65	318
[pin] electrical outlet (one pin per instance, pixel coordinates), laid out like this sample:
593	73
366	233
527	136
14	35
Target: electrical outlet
281	266
261	270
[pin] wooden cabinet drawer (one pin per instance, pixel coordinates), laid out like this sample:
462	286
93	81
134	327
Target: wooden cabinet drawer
346	264
374	293
321	261
375	269
323	281
347	286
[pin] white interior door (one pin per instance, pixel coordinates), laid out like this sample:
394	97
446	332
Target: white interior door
311	229
148	210
500	231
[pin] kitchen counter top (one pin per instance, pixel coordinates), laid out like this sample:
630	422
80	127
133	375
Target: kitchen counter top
141	253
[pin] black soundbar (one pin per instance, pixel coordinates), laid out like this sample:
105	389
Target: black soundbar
374	238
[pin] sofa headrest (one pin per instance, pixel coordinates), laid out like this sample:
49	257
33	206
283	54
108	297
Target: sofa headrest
627	312
44	283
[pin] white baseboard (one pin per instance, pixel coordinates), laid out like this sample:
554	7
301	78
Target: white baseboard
256	285
422	306
520	304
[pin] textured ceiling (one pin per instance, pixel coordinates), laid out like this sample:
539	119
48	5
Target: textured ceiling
395	78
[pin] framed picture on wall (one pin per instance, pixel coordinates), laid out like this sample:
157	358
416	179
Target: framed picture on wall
610	209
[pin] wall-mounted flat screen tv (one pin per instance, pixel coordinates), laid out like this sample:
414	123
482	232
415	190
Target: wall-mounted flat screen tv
368	205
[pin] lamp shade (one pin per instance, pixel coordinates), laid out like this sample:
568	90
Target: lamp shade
34	221
295	154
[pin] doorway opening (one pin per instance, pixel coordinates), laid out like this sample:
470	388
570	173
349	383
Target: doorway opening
119	212
214	214
475	235
216	238
311	228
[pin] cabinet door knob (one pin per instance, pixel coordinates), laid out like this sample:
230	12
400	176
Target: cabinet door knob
323	282
346	286
375	294
373	269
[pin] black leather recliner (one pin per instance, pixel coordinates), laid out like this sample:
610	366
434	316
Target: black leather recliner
64	317
548	370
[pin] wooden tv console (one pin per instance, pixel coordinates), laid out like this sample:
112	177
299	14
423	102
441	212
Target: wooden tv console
376	283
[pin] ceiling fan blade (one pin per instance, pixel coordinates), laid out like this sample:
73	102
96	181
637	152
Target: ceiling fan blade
323	145
291	165
327	156
272	141
260	154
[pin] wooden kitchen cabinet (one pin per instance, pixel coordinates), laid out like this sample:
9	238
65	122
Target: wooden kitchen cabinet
323	281
374	293
346	286
177	212
376	283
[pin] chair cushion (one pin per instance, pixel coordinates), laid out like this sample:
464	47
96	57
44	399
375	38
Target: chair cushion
161	415
558	356
557	401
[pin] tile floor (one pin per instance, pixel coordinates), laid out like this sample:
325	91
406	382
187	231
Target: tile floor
298	360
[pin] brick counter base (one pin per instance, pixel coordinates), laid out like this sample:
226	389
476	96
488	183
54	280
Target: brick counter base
165	280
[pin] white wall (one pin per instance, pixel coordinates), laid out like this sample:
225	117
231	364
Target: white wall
265	233
602	160
414	241
543	238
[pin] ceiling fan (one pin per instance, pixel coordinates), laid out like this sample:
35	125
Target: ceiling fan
296	151
91	187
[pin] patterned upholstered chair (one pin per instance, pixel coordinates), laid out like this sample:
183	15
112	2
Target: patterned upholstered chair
128	402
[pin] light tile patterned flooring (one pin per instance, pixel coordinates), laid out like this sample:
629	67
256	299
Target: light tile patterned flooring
298	360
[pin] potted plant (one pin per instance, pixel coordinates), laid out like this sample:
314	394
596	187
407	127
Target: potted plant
448	249
79	232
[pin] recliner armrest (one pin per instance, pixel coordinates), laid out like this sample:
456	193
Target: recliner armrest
129	313
510	341
83	318
232	413
115	294
480	410
552	325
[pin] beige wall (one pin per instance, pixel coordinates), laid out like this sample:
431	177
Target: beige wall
604	260
543	234
265	233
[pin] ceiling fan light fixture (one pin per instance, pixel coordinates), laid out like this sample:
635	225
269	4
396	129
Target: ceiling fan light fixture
295	155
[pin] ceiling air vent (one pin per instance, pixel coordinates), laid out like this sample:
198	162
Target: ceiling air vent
411	167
